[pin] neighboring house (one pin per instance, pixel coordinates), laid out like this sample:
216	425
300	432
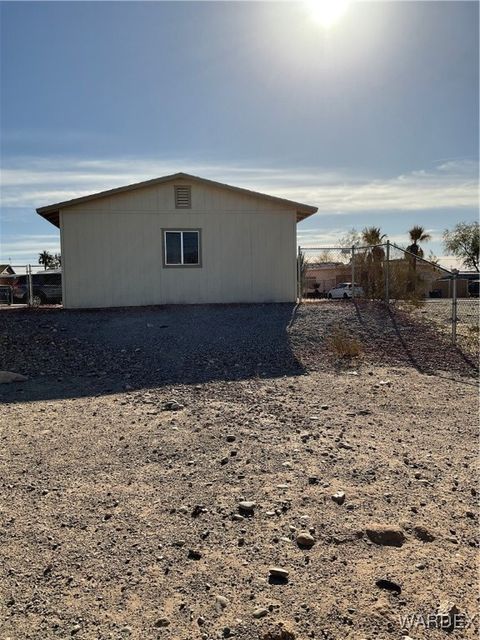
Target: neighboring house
322	276
175	240
444	285
5	271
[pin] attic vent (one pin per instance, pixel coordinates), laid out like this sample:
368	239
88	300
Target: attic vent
183	197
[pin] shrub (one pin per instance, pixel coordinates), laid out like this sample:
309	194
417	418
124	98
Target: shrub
343	345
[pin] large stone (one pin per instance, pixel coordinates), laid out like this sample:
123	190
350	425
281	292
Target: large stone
388	585
423	534
221	603
246	507
162	622
6	377
280	632
305	540
385	534
447	613
278	575
172	405
339	497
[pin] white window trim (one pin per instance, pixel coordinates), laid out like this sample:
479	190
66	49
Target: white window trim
182	263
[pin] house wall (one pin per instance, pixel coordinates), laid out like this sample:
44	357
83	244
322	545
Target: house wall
112	249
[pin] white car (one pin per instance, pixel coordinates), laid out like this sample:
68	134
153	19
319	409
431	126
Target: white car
344	290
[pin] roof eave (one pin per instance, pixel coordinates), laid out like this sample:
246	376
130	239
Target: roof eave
51	215
51	212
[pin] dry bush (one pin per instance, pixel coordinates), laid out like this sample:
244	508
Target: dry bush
344	345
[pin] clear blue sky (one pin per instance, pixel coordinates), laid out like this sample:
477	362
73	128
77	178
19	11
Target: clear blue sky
375	120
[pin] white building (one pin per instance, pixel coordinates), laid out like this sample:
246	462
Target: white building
176	240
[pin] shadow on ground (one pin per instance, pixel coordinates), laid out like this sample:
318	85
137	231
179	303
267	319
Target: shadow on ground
69	354
388	338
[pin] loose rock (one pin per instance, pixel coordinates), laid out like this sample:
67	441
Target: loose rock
446	614
6	377
278	575
221	603
423	534
305	540
385	534
172	405
162	622
339	497
247	507
279	633
389	585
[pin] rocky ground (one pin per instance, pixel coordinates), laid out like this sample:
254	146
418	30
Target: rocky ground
438	313
160	463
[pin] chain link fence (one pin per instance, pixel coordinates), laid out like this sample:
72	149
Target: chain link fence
320	270
30	285
399	278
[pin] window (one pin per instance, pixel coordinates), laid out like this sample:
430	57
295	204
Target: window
182	248
183	197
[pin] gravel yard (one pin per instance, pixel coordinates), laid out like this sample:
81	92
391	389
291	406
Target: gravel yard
438	313
128	453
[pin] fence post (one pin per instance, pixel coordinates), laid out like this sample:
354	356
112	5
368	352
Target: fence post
454	305
30	285
299	274
387	274
353	271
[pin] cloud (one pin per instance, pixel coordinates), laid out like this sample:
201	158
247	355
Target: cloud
452	184
322	237
23	249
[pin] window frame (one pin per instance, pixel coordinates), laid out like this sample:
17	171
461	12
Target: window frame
181	265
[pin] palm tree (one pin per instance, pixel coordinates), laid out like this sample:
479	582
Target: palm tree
372	236
46	259
372	275
417	234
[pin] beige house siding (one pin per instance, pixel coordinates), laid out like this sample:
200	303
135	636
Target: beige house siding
112	249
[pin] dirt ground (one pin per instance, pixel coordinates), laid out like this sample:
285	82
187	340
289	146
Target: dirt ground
125	457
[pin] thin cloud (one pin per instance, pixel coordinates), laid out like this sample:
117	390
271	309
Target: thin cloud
22	249
452	184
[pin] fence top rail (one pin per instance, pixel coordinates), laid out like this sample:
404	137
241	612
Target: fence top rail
344	249
325	248
392	245
419	258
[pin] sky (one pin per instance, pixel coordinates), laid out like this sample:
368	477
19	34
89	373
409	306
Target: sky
373	120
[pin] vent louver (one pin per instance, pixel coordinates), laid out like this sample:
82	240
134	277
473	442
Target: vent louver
183	197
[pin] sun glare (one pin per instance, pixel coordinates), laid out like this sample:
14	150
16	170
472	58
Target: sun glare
327	12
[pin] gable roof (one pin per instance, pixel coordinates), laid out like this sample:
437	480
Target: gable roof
51	211
6	268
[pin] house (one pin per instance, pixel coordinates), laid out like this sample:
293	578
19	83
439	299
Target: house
178	239
444	285
5	272
322	276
